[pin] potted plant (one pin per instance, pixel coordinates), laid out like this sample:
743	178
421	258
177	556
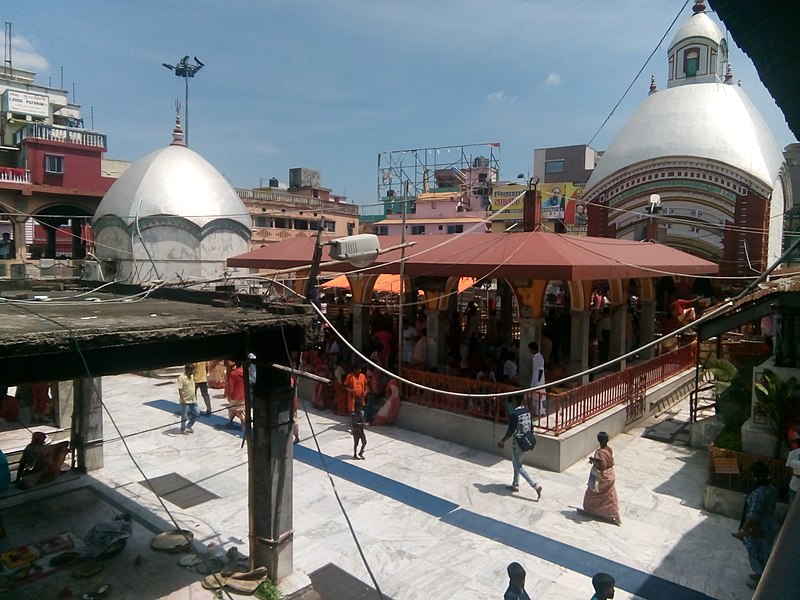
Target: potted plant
776	399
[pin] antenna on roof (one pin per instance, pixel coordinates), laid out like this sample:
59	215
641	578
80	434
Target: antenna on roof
7	55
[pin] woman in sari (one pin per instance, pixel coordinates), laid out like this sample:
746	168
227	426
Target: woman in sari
235	393
217	374
600	498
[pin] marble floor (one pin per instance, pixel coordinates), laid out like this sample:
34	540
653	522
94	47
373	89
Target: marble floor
433	519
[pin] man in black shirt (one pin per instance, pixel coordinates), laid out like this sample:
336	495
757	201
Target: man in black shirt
519	427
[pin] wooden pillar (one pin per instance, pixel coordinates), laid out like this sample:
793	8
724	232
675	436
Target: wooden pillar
87	423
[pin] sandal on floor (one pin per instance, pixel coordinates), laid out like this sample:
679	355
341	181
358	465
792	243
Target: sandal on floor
215	581
100	592
248	582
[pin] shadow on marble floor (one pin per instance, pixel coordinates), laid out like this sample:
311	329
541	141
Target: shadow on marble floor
500	489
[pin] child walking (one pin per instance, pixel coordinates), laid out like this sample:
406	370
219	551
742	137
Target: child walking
357	425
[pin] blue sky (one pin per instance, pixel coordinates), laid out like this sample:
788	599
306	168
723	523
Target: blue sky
328	84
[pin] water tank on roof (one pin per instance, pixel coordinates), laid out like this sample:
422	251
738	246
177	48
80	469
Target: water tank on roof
273	182
302	177
480	162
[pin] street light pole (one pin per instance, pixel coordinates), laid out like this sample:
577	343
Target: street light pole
183	68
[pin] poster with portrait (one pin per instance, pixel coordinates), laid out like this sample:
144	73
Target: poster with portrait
562	202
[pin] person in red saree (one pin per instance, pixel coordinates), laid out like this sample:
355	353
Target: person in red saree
235	392
339	389
319	366
41	402
600	499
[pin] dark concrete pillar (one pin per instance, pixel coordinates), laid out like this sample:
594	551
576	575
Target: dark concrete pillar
617	345
63	394
361	327
647	327
436	325
579	344
269	452
506	318
87	432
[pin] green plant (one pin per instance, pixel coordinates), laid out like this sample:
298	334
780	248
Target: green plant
733	400
268	591
724	373
776	399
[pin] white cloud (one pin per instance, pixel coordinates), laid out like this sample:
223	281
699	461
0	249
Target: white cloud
552	80
24	55
500	98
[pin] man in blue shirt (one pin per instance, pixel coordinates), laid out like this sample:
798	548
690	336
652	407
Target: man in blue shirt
519	427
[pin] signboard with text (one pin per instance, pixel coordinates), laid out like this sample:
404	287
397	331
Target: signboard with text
23	103
506	202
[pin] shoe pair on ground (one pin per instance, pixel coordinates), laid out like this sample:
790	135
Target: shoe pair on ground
515	488
359	456
187	431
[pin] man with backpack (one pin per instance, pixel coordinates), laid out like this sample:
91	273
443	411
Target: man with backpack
520	429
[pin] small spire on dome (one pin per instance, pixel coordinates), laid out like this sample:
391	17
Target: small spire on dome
699	6
653	88
729	74
177	133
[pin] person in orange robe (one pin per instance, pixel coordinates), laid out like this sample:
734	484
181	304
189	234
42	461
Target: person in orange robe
356	384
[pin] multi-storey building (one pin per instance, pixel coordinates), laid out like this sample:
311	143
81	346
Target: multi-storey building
279	213
52	175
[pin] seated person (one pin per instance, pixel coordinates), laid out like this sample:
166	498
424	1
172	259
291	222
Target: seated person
40	462
9	406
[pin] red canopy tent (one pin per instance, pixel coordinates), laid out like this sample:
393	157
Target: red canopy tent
536	255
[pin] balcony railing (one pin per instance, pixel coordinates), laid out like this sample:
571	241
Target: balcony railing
299	202
66	135
564	410
15	175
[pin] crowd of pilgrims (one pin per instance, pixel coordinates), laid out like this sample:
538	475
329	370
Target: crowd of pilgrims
473	348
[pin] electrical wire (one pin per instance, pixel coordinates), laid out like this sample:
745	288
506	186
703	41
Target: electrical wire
324	462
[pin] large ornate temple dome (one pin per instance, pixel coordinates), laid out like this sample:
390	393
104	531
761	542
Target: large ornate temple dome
170	215
704	149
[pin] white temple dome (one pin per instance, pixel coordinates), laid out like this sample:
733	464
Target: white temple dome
699	25
170	215
714	121
173	181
